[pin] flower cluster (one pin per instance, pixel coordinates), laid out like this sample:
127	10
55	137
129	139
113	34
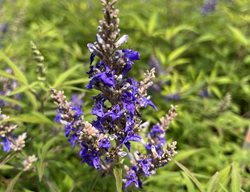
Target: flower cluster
10	141
158	152
28	162
209	6
106	140
6	87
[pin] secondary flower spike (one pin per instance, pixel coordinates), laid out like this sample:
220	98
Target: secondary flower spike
8	140
117	122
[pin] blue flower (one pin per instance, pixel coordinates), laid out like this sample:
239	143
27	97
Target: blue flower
158	136
173	97
68	128
106	78
58	116
91	71
128	101
208	6
6	144
2	102
98	108
130	56
90	157
92	57
72	139
145	165
114	113
105	143
132	178
4	27
129	136
76	105
204	93
144	102
98	124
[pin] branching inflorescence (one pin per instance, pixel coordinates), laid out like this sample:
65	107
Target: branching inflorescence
7	86
106	140
9	140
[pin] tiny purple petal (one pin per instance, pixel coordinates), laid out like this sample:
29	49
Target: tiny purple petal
105	143
6	144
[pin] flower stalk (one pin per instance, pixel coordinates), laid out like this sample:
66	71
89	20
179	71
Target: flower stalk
106	141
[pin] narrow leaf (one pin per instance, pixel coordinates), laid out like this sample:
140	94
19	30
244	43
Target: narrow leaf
239	36
118	178
34	117
190	175
177	52
13	182
12	101
59	81
42	155
189	183
213	183
235	178
18	73
152	23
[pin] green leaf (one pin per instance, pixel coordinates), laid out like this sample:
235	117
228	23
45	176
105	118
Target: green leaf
33	117
216	91
32	99
184	154
190	175
18	73
27	190
23	88
12	183
7	75
60	80
52	186
235	178
77	81
42	155
239	36
68	183
139	22
73	88
181	61
172	32
152	23
213	183
13	101
118	178
5	167
224	177
177	52
223	80
188	182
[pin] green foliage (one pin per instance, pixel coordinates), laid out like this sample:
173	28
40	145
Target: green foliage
196	54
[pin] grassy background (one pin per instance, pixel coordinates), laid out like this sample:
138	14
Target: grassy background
204	69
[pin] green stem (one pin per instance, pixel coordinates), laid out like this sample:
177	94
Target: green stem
118	178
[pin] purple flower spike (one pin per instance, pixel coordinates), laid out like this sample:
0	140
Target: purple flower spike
117	121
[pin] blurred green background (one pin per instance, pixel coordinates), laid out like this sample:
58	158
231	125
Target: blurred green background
203	66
